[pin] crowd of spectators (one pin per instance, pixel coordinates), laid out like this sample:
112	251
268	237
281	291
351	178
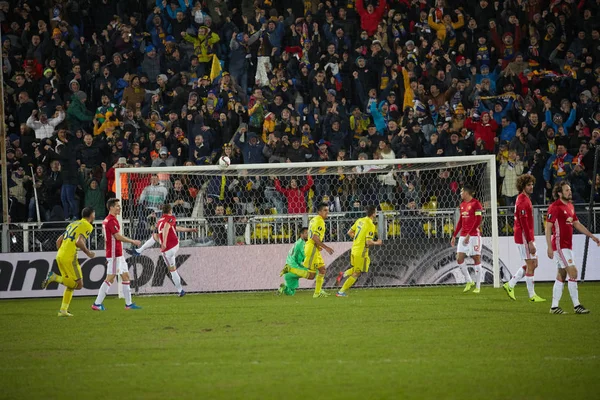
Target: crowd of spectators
91	85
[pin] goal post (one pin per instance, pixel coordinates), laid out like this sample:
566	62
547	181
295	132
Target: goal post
248	216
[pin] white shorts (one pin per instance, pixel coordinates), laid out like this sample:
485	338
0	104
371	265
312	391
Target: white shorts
169	256
116	266
473	248
524	252
564	258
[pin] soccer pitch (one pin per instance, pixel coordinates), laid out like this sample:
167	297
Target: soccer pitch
413	343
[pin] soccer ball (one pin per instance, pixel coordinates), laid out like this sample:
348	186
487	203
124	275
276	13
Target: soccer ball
224	162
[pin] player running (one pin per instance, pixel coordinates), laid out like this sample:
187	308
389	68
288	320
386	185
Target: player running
169	243
66	258
559	236
524	239
115	261
469	242
294	259
363	234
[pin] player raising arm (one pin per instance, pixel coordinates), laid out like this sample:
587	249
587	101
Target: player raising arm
294	259
469	241
115	261
560	222
70	272
363	235
169	243
524	239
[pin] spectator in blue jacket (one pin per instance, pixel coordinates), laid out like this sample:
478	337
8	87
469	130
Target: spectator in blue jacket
251	146
558	166
556	121
509	130
380	115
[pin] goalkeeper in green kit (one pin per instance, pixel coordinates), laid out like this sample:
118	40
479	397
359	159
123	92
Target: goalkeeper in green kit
294	259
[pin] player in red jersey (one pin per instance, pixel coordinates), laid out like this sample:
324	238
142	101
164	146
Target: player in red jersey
169	243
469	242
115	262
524	238
559	236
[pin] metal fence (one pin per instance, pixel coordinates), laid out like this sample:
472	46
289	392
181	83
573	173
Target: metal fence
267	229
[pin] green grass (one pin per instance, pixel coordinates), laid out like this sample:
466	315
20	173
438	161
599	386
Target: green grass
418	343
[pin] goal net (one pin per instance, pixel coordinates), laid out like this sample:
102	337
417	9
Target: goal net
249	216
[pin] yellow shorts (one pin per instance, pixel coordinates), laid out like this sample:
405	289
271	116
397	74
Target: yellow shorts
313	259
360	263
69	267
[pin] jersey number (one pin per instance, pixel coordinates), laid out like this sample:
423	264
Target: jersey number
358	228
70	232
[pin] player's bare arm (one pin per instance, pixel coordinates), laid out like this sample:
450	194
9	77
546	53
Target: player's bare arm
467	238
183	229
82	246
351	233
532	248
125	239
548	228
321	245
59	242
371	242
582	229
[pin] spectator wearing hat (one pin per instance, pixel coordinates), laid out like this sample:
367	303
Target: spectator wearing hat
44	127
134	94
78	116
251	147
446	29
558	166
508	46
164	159
580	183
203	46
94	185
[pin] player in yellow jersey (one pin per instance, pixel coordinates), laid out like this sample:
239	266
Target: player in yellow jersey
363	235
313	261
70	272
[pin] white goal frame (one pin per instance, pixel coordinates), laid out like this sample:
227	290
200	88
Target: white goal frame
490	160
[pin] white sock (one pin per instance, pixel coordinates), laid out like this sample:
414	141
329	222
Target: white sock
149	243
530	288
176	280
478	275
557	292
465	271
127	293
102	292
516	277
573	291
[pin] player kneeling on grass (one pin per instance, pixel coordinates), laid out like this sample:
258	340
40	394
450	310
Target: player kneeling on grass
70	272
294	259
169	243
313	260
362	234
560	222
115	261
524	239
469	241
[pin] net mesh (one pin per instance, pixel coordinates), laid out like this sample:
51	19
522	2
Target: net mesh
248	219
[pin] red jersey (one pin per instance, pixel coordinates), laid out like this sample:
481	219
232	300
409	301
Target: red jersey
523	220
470	218
114	247
172	239
562	216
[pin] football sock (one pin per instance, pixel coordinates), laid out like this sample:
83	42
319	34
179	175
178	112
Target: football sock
102	292
319	283
348	284
302	273
573	291
149	243
478	274
557	292
176	280
67	296
348	272
127	292
530	286
516	277
465	271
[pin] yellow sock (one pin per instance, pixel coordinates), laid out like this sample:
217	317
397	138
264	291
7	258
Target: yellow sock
67	296
349	271
302	273
319	283
348	284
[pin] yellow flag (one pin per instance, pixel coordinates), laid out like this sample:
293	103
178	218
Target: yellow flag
215	70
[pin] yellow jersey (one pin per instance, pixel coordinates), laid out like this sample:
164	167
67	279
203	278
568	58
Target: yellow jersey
316	227
364	229
68	248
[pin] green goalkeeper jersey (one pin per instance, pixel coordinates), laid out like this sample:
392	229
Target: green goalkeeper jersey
295	257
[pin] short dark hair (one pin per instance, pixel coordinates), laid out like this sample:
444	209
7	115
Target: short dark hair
470	189
371	210
558	187
166	208
322	206
87	212
303	229
111	203
523	181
